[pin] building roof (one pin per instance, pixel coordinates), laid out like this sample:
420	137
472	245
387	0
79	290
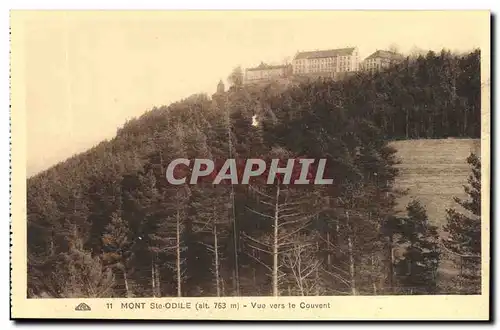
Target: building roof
385	54
325	53
264	66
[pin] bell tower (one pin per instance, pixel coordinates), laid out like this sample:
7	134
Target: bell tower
218	96
220	87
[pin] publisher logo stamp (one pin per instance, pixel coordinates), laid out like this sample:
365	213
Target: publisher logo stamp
82	307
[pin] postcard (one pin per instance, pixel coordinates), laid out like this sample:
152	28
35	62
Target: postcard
250	165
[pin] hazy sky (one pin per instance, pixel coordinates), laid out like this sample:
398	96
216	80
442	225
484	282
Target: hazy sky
86	73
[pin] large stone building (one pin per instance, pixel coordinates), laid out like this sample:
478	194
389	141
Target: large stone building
331	63
265	73
381	59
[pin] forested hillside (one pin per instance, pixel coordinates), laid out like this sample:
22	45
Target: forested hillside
106	223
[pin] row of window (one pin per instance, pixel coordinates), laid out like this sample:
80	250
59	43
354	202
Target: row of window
260	76
323	69
340	59
324	59
372	64
375	65
348	64
266	73
380	60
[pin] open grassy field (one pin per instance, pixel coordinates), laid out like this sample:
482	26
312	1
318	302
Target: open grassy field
434	171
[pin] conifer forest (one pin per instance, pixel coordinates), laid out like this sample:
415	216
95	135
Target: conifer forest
106	223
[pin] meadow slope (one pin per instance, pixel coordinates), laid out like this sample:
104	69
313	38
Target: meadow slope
434	171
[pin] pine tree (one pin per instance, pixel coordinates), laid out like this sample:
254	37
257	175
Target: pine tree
302	266
76	273
117	248
165	228
175	224
210	208
285	211
464	229
417	270
140	196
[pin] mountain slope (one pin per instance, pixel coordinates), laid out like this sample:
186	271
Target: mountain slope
110	210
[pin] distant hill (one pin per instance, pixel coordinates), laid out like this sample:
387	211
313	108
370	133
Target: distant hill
434	171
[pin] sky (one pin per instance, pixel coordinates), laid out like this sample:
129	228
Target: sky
87	73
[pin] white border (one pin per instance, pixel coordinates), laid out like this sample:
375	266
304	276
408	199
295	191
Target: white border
149	4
